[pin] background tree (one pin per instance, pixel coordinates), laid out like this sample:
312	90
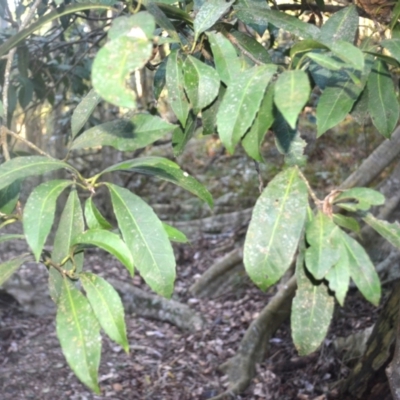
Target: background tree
237	68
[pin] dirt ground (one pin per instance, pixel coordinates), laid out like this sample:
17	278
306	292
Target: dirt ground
165	363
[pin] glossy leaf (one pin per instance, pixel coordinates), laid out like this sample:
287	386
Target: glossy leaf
342	25
107	306
241	103
125	134
175	85
326	61
383	104
201	83
23	167
323	237
312	307
180	137
83	111
262	122
362	195
339	277
292	90
362	270
336	102
7	268
226	60
209	114
9	197
145	236
390	231
109	242
39	213
349	53
208	14
164	169
292	24
71	224
279	212
93	217
252	13
79	334
125	24
250	45
393	45
305	46
160	79
174	234
346	222
113	64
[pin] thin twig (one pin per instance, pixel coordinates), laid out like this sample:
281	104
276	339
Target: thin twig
5	131
316	200
234	41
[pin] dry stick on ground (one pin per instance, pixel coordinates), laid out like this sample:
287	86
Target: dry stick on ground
254	345
393	369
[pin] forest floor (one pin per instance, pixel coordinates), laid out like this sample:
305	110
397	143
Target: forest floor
166	363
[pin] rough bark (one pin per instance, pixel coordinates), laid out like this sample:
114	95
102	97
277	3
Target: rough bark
380	346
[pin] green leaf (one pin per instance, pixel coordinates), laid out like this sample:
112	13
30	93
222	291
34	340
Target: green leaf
174	234
249	44
7	268
10	236
326	61
109	242
241	102
157	11
292	24
342	25
312	307
383	104
288	141
209	114
79	334
201	83
292	90
339	277
113	64
93	217
336	102
252	12
107	307
262	122
164	169
227	63
71	224
23	167
144	234
305	46
209	13
390	231
349	53
279	212
180	137
123	25
83	111
9	197
346	222
393	45
39	213
322	236
160	79
175	85
363	195
362	271
125	134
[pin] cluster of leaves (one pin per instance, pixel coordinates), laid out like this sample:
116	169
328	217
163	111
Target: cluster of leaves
214	71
